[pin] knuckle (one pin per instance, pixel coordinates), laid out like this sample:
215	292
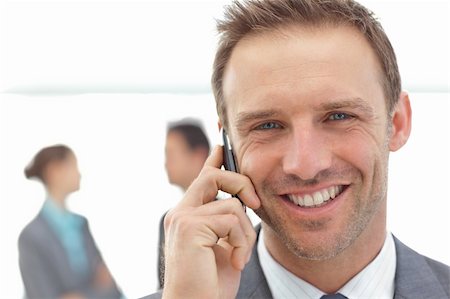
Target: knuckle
168	218
173	218
206	172
252	237
208	178
233	219
235	204
246	182
182	223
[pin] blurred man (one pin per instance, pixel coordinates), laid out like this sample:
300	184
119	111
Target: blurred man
187	148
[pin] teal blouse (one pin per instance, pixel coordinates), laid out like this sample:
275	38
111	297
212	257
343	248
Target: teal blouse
69	230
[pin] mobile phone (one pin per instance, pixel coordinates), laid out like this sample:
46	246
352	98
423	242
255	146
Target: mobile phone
229	162
228	156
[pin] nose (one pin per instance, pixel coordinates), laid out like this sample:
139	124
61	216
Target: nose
306	153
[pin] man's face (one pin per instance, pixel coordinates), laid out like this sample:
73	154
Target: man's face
309	125
178	159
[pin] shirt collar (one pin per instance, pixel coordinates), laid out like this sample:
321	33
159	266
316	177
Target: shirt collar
376	280
60	218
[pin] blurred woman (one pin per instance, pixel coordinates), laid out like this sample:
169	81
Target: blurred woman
58	257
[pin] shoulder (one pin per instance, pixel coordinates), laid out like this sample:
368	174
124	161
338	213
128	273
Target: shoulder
82	220
441	271
33	231
418	274
80	217
406	254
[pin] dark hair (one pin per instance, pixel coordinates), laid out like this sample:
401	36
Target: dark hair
256	16
43	158
192	132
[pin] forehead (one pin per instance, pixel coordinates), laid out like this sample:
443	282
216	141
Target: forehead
175	139
300	61
69	160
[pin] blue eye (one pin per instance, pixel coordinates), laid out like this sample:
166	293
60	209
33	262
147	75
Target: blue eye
268	126
339	116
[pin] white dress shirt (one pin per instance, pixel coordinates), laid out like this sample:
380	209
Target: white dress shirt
376	280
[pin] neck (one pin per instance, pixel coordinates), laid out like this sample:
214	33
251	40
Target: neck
57	196
332	274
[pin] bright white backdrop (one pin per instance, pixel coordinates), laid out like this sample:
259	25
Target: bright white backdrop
119	140
105	78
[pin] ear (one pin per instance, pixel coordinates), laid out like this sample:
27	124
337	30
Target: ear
219	124
52	171
401	123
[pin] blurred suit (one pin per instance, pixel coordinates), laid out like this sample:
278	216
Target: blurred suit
45	267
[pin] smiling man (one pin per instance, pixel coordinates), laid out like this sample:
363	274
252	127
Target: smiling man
309	92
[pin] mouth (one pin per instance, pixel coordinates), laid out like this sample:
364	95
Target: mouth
317	198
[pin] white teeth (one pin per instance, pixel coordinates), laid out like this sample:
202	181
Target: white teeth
325	194
301	201
317	198
308	200
332	191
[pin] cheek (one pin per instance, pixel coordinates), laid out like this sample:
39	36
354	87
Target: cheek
75	177
364	152
259	163
355	152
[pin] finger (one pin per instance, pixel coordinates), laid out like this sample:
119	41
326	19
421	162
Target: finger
230	206
204	189
216	158
215	209
241	185
196	233
231	237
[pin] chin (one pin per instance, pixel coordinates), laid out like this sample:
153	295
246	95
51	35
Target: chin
309	240
325	247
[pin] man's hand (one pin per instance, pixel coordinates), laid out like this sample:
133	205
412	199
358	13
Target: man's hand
208	242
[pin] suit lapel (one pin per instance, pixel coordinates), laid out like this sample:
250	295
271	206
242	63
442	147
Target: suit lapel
414	277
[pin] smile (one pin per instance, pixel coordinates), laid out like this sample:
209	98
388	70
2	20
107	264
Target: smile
316	199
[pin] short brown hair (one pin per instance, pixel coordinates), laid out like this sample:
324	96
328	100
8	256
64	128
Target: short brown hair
192	132
255	16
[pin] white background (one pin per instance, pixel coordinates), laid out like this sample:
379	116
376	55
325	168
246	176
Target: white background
105	78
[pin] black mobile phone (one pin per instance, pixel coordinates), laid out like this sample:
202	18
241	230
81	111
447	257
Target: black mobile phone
228	156
229	162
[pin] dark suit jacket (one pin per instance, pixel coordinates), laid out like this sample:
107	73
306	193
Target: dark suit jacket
416	277
45	267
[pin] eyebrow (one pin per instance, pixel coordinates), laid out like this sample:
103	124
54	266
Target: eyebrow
354	103
244	117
